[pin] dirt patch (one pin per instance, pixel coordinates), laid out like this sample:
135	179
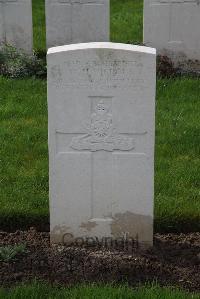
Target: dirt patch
166	67
174	260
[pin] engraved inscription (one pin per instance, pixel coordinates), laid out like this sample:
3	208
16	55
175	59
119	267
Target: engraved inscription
71	1
107	74
101	134
77	1
179	1
5	1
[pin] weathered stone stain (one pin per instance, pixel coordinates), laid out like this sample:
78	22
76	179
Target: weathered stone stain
88	225
133	225
58	233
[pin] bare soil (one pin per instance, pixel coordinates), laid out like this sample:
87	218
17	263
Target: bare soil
174	260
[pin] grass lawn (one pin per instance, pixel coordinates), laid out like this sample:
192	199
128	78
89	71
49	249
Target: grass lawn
39	30
126	22
24	155
24	158
37	291
23	135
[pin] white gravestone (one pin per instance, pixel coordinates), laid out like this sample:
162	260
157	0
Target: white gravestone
76	21
16	24
101	141
172	26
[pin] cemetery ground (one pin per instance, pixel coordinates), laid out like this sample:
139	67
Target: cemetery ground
175	259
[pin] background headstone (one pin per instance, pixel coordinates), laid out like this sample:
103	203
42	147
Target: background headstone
101	140
172	27
16	24
76	21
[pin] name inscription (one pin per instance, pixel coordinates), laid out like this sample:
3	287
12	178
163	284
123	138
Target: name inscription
101	73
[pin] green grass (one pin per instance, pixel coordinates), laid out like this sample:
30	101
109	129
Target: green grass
24	155
23	135
177	175
39	25
43	291
23	152
126	21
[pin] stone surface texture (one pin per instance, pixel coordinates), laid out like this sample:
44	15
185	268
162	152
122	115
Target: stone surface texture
77	21
172	27
16	24
101	106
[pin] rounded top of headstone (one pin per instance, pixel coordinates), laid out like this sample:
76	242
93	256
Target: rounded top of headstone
102	45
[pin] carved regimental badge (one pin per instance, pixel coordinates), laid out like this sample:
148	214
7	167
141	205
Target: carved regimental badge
101	134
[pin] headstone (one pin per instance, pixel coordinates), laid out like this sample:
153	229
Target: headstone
101	141
172	26
16	24
76	21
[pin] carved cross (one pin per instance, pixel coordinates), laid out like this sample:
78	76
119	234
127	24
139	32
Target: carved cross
72	6
171	3
3	17
100	140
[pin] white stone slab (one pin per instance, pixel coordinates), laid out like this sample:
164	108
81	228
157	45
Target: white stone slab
101	140
172	26
76	21
16	24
